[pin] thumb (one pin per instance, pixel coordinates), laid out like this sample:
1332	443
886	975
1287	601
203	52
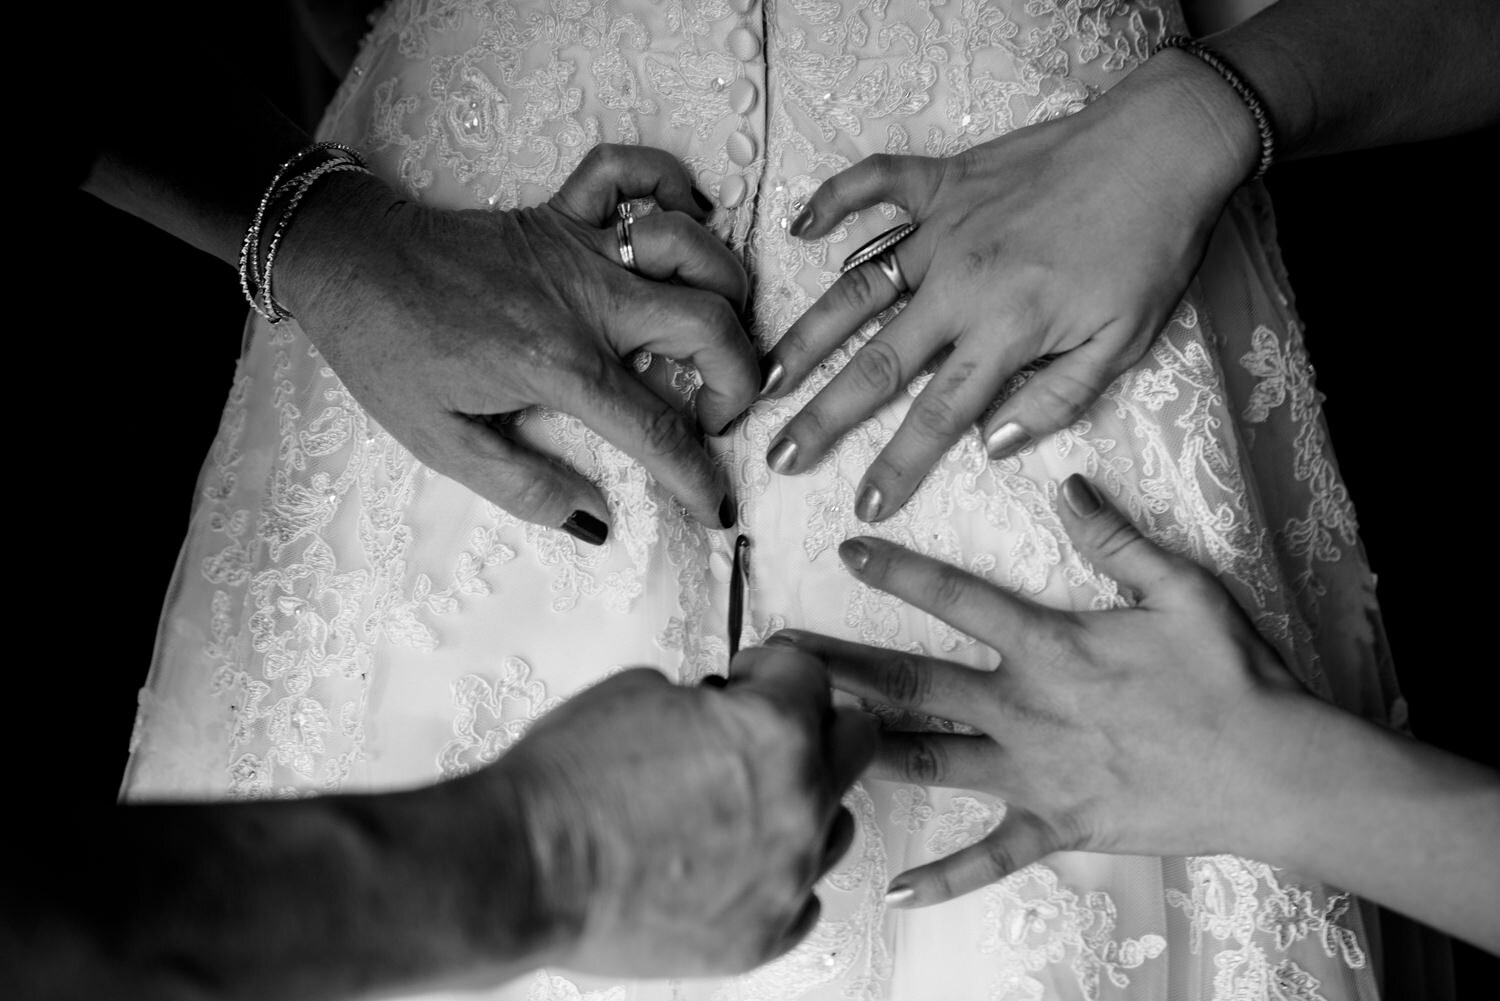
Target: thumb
1111	541
1021	839
526	483
1053	398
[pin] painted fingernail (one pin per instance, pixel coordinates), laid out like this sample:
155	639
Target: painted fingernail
713	681
783	638
586	528
774	375
804	219
727	512
867	507
782	455
701	199
1005	440
1081	496
899	896
855	554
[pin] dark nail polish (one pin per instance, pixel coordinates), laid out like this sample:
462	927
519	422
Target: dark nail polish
855	554
727	512
713	681
773	378
586	528
1006	440
1081	496
867	507
803	220
701	199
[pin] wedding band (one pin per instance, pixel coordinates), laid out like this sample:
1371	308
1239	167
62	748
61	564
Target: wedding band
881	252
622	234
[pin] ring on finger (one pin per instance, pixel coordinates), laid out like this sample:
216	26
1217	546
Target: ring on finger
881	252
622	236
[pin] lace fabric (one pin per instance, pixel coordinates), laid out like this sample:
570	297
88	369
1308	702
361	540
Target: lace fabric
345	619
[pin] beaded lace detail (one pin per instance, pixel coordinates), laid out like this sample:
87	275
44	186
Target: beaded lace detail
344	618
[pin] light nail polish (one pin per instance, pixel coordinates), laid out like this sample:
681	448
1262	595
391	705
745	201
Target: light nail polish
782	455
1007	439
774	375
855	554
899	896
867	507
803	220
1081	496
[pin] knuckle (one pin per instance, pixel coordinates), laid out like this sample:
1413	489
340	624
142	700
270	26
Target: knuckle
1115	537
998	859
864	288
935	416
666	435
905	683
927	762
534	496
950	587
877	366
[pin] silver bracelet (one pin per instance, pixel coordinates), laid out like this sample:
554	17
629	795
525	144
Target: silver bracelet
255	279
1247	95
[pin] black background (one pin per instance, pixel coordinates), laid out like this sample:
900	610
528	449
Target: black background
120	373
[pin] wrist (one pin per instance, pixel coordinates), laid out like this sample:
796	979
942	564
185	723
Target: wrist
336	219
1200	130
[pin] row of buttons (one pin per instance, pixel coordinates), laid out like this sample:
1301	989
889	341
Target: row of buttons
744	45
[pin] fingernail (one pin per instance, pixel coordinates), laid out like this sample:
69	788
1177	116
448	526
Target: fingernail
899	896
1081	496
774	375
855	554
1005	440
727	512
713	681
867	507
783	638
803	220
586	528
782	455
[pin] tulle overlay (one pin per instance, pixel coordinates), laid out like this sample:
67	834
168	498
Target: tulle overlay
345	619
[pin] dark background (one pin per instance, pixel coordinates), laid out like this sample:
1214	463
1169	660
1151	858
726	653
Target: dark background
124	371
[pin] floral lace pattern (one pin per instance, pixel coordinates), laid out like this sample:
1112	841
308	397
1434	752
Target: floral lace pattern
343	618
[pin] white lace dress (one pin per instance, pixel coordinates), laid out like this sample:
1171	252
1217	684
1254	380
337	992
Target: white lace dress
344	619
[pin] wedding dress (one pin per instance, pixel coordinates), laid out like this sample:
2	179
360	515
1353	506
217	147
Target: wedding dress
344	619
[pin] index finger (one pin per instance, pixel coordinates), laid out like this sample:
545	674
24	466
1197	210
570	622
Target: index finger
625	413
960	599
611	174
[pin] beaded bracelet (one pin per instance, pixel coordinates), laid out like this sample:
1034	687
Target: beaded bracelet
255	279
1243	90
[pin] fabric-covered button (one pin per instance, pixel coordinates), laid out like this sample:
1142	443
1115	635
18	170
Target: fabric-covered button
732	191
742	95
743	44
741	149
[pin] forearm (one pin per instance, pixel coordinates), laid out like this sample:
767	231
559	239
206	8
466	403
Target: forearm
1339	75
334	897
201	181
1377	813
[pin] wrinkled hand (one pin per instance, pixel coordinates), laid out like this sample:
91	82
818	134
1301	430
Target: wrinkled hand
1129	731
1075	238
438	319
683	828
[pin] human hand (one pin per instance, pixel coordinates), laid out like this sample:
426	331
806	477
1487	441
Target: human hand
1075	239
1132	731
681	829
436	320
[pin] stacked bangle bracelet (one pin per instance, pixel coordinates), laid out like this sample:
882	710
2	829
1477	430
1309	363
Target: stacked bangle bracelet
289	185
1243	90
